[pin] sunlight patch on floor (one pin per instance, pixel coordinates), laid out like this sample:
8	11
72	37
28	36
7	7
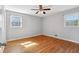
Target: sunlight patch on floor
28	44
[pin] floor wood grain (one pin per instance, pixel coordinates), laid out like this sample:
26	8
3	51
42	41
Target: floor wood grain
41	44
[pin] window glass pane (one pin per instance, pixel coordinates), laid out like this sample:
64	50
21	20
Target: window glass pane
71	20
16	21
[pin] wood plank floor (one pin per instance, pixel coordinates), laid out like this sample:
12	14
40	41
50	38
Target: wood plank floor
41	44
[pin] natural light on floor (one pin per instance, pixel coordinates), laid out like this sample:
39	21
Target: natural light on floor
28	44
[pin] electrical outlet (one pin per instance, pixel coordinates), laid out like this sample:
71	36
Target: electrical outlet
55	35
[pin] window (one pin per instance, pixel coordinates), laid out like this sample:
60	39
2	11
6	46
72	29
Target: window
71	21
15	21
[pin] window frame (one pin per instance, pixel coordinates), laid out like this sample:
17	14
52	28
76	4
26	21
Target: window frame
11	20
69	20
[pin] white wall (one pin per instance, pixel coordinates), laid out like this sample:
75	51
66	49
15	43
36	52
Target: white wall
31	26
55	25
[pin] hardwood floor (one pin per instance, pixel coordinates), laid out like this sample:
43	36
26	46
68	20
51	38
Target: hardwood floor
41	44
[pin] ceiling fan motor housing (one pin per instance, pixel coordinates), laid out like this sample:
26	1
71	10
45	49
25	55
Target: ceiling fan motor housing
41	9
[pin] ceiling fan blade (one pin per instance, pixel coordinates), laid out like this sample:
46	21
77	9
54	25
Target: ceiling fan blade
47	9
44	12
34	9
37	12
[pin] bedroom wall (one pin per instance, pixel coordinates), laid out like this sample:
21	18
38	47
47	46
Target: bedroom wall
54	24
31	26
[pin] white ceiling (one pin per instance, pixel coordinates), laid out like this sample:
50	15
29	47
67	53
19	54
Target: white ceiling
27	9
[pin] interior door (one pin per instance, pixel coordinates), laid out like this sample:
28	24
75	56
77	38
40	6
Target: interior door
2	25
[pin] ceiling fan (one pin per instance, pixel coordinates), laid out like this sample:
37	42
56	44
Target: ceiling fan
41	8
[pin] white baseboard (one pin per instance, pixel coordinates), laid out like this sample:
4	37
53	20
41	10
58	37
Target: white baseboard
23	37
46	35
62	38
